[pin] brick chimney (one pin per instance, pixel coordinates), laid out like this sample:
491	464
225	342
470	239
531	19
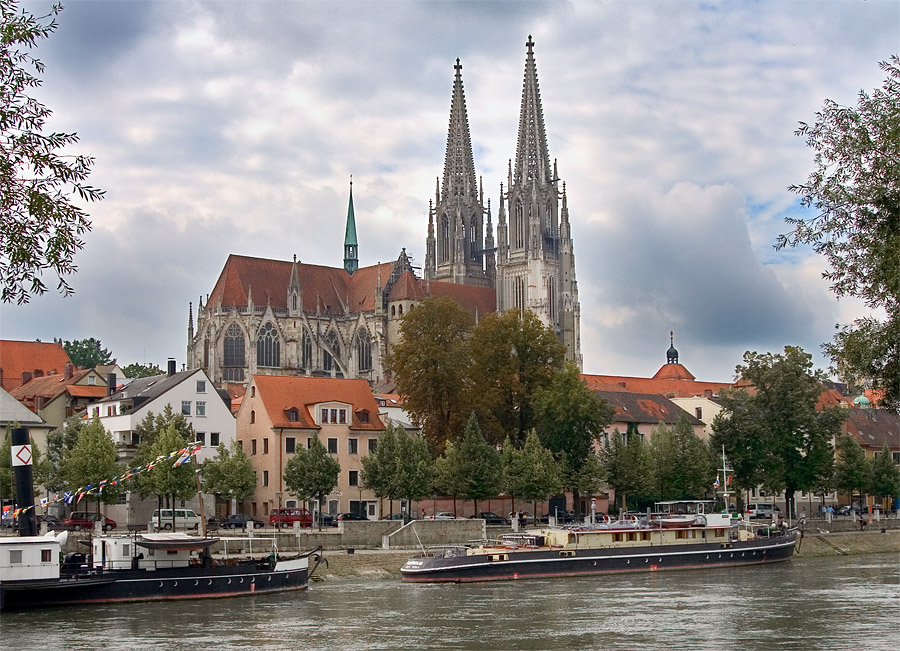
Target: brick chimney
69	371
172	367
38	372
26	377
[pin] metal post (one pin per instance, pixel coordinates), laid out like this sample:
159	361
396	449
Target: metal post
20	450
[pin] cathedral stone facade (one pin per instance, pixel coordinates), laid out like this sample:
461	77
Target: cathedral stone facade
277	317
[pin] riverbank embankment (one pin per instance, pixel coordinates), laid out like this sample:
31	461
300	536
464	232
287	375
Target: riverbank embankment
386	564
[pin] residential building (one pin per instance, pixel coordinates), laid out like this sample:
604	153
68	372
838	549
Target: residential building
56	397
280	415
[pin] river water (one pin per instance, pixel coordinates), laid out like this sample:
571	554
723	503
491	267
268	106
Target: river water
825	603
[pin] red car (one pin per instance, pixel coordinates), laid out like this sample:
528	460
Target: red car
86	519
285	518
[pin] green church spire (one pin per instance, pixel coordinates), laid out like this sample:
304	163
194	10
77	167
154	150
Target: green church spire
351	261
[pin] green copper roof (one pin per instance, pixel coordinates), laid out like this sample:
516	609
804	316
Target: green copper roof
351	258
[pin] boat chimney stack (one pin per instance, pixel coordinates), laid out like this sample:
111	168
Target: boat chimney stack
26	523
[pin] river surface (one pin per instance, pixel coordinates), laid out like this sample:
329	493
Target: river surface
850	602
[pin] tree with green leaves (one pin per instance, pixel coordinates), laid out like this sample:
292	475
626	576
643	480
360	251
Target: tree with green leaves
851	471
681	462
379	468
414	468
230	474
42	228
478	465
570	418
531	472
431	366
165	479
60	442
517	356
148	432
772	431
448	478
312	473
142	370
884	476
93	460
854	192
86	353
628	467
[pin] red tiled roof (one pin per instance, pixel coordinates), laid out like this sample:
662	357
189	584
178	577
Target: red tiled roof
872	428
478	301
407	287
677	383
19	356
79	391
282	393
51	386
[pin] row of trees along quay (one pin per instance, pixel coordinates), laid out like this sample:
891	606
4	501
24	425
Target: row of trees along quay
533	430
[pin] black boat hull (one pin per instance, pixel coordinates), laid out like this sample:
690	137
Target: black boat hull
154	585
585	562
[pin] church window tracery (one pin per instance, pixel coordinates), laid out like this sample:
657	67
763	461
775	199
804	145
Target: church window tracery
445	238
268	347
331	341
364	350
307	359
234	358
520	225
473	239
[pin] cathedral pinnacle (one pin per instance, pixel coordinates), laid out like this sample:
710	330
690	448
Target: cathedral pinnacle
351	260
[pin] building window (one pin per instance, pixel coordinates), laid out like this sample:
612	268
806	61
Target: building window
234	358
186	407
201	408
290	445
309	443
332	446
364	350
253	391
698	412
201	386
373	445
363	416
353	477
334	416
92	380
444	243
265	446
252	416
342	416
293	415
268	347
473	240
214	439
307	351
265	478
324	415
253	446
201	438
353	446
519	228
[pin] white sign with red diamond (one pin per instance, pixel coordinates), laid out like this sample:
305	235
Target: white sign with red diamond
21	455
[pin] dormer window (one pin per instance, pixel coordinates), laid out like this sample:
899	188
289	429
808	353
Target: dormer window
363	416
293	415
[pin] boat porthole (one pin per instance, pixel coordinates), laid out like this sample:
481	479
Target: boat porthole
731	555
646	560
707	557
720	555
595	563
242	580
209	582
270	579
196	582
743	554
628	562
253	580
174	584
660	560
160	584
229	581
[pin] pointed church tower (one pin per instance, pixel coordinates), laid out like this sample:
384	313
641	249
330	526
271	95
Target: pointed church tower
455	246
535	262
351	259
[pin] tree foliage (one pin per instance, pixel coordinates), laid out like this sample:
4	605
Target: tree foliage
681	462
471	469
42	228
148	431
400	468
628	467
851	472
884	476
772	431
86	353
230	475
166	479
530	472
312	473
60	442
379	468
93	459
854	189
142	370
517	356
431	364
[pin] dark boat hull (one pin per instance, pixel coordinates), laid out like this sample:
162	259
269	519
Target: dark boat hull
586	562
154	585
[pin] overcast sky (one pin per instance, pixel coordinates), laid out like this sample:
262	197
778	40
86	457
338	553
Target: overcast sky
234	127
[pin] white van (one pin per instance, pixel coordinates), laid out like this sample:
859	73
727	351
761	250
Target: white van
180	518
762	510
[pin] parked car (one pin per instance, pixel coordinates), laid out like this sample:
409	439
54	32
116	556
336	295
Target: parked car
344	517
285	518
491	518
442	515
79	520
562	517
525	519
240	521
7	521
762	510
400	516
181	518
51	520
328	520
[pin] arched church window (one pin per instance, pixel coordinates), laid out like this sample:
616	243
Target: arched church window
393	310
233	354
551	298
206	344
520	225
364	350
307	351
400	311
268	347
331	340
473	239
445	239
294	302
520	293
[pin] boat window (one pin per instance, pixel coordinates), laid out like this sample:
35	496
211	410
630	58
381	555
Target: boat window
46	556
617	537
632	535
645	535
15	556
125	550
